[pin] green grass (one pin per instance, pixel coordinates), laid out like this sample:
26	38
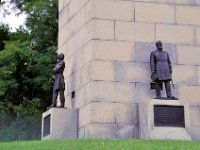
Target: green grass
101	145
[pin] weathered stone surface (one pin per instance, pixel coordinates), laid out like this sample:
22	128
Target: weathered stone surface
103	91
63	17
103	29
126	113
78	40
185	74
154	13
127	131
145	32
63	123
197	35
112	10
195	133
100	131
188	15
75	6
97	112
188	55
144	49
132	72
113	50
73	82
175	34
99	73
195	115
188	2
190	94
124	31
81	133
198	74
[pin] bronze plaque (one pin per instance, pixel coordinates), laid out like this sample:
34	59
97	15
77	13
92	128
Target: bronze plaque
170	116
46	126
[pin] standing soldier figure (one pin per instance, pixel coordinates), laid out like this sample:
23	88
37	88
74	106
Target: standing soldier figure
161	69
59	84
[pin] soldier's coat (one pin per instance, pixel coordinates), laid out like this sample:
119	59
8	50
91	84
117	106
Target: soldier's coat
160	64
59	83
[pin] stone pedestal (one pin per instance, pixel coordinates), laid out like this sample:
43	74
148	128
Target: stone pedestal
60	123
149	129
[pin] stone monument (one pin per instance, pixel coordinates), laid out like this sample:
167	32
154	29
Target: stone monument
107	44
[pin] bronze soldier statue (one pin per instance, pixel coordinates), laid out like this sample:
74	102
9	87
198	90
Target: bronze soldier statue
59	84
161	68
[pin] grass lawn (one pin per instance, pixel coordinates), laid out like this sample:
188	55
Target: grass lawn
101	145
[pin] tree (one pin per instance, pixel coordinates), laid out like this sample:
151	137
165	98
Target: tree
4	35
26	62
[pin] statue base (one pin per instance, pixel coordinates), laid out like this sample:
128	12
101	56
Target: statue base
164	119
60	123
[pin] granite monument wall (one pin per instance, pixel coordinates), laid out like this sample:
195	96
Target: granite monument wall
107	44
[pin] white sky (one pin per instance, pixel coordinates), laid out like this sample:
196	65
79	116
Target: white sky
13	20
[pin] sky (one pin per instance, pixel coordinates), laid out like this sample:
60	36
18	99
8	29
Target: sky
13	20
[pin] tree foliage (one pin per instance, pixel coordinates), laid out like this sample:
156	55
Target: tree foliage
27	57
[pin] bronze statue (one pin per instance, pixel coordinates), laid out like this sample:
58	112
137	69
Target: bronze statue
59	84
161	68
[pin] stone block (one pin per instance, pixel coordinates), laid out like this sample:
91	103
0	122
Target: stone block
175	34
185	74
97	112
87	52
77	41
131	31
109	92
78	100
144	49
198	36
127	131
61	5
132	72
195	133
124	31
86	74
148	130
73	82
112	50
188	2
126	113
145	32
154	12
190	94
198	74
112	10
103	29
100	131
75	6
62	124
63	17
81	133
188	15
73	63
73	26
188	55
195	115
99	73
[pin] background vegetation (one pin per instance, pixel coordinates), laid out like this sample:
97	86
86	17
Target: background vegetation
27	57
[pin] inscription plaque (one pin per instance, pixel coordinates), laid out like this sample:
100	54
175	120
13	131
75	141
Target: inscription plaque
171	116
46	128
